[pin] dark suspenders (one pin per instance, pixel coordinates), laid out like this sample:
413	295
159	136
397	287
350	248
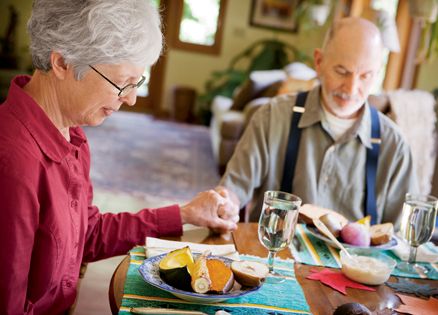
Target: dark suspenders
293	144
371	167
371	159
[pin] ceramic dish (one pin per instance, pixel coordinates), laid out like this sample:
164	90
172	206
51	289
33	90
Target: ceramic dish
367	266
314	231
150	273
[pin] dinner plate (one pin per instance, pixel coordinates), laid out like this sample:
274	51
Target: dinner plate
315	232
150	273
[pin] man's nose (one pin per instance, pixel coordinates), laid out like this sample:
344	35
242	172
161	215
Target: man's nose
351	85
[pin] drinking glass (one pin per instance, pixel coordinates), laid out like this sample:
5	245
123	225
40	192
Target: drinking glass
417	225
277	226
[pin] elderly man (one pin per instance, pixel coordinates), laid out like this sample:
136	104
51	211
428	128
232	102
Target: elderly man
328	146
89	58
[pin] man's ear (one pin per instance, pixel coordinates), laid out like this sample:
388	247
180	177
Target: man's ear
59	66
317	59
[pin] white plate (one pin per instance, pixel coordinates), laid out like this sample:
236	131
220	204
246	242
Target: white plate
150	273
315	232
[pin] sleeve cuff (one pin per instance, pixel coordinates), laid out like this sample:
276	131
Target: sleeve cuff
169	221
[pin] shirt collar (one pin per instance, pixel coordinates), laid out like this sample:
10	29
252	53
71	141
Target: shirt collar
35	120
314	114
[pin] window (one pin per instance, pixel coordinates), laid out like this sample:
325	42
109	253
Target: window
390	7
199	26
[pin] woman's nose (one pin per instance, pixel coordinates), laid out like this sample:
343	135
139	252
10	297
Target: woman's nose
130	98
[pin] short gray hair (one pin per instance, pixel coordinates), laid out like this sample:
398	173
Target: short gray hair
88	32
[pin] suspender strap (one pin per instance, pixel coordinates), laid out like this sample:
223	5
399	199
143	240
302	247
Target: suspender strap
371	167
293	144
372	156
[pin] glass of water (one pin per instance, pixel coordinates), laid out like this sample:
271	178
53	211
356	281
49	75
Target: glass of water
417	225
277	225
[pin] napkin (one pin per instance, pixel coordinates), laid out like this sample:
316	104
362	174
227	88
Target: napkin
155	246
425	253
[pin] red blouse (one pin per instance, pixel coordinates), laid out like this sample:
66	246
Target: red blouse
48	224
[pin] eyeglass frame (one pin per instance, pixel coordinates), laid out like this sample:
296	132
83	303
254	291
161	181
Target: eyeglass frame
123	89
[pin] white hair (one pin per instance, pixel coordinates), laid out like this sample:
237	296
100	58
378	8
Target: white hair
87	32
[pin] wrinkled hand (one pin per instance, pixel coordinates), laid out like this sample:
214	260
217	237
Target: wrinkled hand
213	209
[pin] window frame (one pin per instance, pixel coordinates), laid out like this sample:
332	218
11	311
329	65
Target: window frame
175	42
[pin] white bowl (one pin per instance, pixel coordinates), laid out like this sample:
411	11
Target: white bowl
367	266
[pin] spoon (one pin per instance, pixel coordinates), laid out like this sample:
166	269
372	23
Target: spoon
323	228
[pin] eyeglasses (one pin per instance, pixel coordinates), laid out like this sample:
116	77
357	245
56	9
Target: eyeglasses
124	90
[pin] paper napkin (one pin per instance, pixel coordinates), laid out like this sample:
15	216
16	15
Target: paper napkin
426	253
155	246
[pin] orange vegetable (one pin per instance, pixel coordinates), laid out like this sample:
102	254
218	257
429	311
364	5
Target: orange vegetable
221	276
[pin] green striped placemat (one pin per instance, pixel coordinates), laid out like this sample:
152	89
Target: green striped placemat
284	298
316	252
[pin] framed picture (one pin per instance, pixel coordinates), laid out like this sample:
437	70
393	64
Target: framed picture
274	14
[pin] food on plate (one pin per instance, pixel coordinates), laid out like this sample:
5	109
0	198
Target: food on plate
356	234
211	275
381	233
332	223
369	269
207	274
365	221
308	212
221	276
352	309
176	268
249	273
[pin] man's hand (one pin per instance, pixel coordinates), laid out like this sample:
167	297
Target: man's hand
213	209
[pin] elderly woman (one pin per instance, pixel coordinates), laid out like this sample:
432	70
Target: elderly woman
89	58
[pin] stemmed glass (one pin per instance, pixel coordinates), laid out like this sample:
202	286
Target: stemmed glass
417	225
277	226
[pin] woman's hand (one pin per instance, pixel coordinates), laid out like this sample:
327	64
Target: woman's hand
215	209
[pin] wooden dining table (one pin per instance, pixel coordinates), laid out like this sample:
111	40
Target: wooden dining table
321	298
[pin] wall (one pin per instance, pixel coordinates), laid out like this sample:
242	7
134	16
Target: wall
428	76
194	69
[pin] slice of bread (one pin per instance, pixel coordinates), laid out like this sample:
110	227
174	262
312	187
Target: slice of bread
381	233
309	211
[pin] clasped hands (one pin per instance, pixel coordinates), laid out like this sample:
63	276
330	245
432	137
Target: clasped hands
216	209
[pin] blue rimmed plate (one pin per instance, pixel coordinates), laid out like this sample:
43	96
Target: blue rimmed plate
315	232
150	273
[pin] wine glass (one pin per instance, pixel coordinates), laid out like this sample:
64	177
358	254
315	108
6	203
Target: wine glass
277	226
417	225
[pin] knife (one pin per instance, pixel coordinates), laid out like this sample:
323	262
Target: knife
158	311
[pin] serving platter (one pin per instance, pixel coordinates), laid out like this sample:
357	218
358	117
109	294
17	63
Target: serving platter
150	273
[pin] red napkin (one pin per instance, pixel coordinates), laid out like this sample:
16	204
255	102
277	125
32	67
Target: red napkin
336	280
414	305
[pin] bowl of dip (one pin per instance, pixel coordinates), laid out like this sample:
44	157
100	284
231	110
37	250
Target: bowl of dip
367	266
